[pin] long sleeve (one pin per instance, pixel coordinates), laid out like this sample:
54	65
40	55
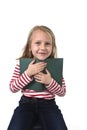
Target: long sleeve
56	88
18	82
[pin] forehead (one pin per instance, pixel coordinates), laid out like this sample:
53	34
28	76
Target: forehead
40	34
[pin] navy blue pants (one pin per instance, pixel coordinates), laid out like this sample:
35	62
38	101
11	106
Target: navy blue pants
29	109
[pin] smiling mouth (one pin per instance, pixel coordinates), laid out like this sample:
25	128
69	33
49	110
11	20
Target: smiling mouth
42	53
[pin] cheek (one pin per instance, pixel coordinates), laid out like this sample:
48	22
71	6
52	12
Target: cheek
34	49
50	49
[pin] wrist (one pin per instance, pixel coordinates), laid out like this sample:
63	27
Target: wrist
28	73
28	77
49	81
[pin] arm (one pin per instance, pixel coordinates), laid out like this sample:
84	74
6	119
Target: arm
51	84
18	82
56	88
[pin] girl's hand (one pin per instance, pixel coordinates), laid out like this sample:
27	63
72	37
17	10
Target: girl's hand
43	78
35	68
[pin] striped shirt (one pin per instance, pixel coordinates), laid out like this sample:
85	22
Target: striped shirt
18	82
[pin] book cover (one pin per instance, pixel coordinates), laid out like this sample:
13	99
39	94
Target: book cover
54	66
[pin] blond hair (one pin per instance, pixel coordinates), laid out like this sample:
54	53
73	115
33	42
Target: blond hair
28	54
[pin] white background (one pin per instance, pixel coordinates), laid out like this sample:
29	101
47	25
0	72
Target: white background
68	20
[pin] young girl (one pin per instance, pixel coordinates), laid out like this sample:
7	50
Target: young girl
40	45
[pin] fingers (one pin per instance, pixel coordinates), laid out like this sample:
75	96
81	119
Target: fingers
40	66
35	68
47	71
39	75
32	62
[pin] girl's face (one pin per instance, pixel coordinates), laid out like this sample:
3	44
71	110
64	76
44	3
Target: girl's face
41	45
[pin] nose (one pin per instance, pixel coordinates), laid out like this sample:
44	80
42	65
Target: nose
43	47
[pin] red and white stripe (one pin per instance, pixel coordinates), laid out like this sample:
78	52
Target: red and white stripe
18	82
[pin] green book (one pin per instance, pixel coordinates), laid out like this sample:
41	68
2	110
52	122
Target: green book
54	66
